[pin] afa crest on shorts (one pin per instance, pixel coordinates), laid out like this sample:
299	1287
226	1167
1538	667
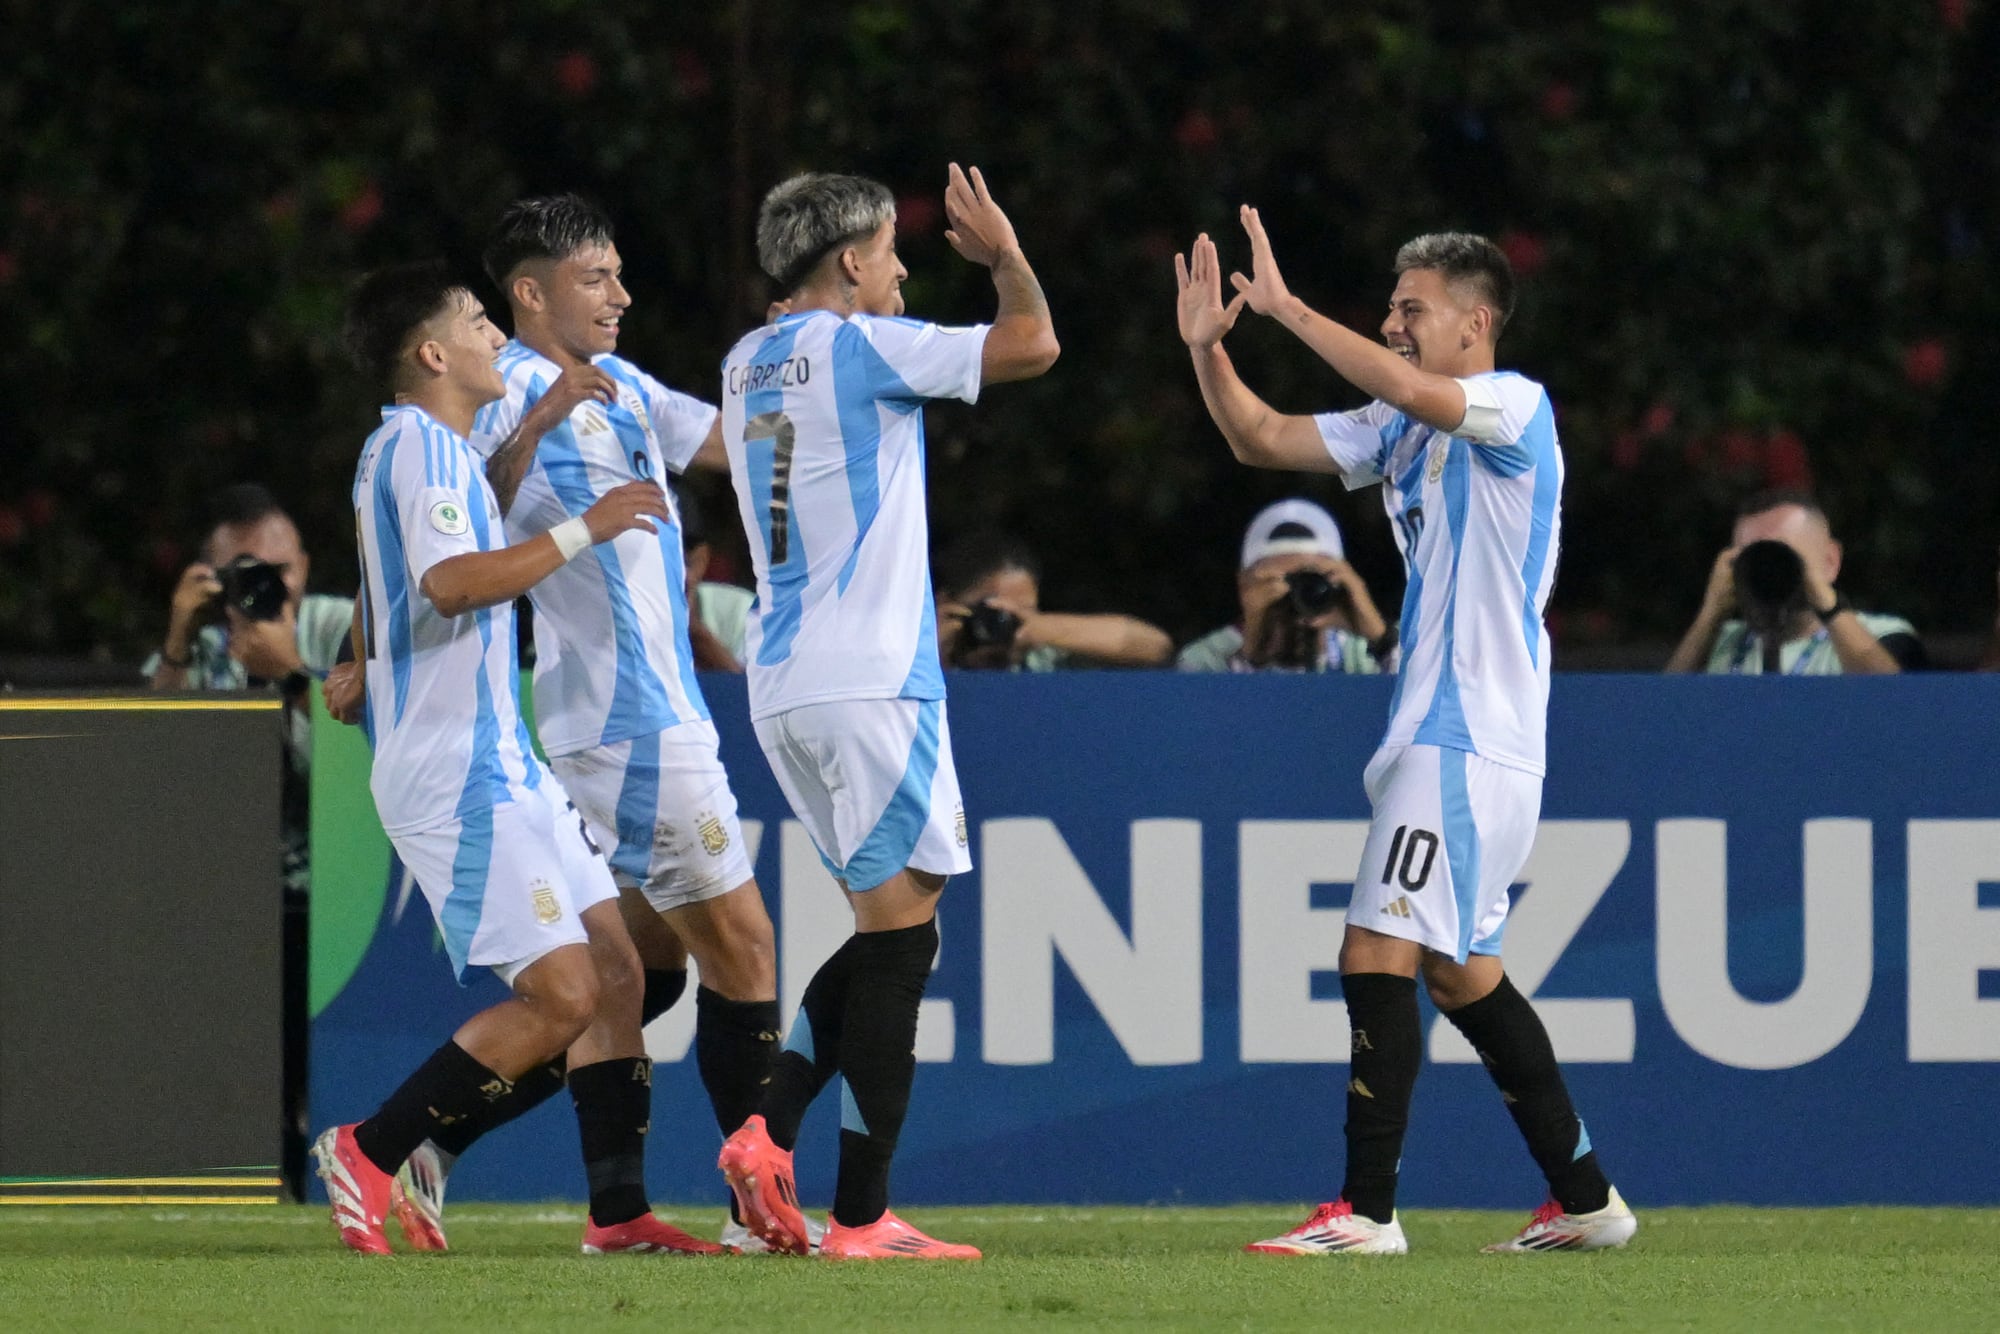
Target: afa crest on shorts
714	838
548	908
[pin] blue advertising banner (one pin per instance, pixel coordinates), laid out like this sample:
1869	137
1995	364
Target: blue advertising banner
1761	919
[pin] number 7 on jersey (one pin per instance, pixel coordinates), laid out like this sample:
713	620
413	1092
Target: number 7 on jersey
777	428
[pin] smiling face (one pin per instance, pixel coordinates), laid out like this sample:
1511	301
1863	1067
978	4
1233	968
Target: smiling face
876	272
572	306
1439	326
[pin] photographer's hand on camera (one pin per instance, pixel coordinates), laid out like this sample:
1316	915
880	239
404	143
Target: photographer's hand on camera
979	640
194	605
1718	602
268	650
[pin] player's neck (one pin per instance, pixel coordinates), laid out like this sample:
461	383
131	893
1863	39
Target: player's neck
836	297
445	407
539	340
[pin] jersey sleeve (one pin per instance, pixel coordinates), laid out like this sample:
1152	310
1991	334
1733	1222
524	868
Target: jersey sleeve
437	484
681	421
1360	441
1498	409
907	359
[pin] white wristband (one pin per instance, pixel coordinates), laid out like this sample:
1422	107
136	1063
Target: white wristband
571	537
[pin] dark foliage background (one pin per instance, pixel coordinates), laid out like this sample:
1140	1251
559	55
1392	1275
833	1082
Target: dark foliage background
1758	242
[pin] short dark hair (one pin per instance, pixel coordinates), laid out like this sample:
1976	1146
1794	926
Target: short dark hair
543	227
241	504
392	303
977	556
1763	502
1464	257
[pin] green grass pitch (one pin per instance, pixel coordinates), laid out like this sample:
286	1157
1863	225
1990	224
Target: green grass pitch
517	1268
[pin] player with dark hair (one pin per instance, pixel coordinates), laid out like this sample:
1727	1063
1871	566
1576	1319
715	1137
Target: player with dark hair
500	854
1471	474
617	706
822	418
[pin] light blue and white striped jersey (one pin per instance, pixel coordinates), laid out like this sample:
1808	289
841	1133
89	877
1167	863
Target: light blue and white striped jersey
1478	516
612	660
823	420
444	711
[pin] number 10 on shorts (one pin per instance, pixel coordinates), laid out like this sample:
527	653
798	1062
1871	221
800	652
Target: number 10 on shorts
1408	845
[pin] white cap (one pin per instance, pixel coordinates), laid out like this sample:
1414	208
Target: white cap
1290	527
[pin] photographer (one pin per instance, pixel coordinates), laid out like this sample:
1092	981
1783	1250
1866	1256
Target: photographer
1771	605
1304	607
990	617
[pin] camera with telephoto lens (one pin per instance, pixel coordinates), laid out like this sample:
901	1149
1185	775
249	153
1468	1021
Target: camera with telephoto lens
1770	584
1313	594
988	626
252	588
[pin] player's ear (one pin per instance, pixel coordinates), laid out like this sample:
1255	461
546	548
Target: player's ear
430	357
526	293
850	265
1834	552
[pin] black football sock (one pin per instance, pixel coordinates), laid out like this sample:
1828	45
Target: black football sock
811	1053
448	1087
878	1061
614	1107
734	1043
663	988
1386	1044
529	1092
1509	1037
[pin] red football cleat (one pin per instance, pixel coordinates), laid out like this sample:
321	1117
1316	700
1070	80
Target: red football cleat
644	1235
760	1175
888	1238
357	1190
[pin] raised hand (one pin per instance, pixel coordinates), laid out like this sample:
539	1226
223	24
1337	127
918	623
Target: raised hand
979	230
623	508
1203	318
1265	287
577	385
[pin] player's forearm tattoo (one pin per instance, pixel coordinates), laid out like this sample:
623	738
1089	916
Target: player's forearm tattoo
1020	293
509	464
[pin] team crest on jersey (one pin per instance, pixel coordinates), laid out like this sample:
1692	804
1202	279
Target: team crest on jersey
958	825
548	908
714	838
448	517
1440	450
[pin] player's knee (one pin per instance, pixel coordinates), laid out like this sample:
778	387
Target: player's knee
566	998
621	978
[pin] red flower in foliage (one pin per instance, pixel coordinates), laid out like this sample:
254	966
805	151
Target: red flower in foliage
1625	451
1197	132
1953	13
1741	451
576	74
361	212
1925	362
1785	461
917	215
1559	100
12	530
1526	251
1659	419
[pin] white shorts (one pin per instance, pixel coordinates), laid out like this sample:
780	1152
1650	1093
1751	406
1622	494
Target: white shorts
507	884
873	782
1450	832
661	807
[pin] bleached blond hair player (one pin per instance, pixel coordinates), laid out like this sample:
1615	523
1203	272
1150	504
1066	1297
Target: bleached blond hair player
1471	475
822	415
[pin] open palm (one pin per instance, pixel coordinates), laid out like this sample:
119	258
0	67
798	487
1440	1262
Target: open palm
1203	318
1265	287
